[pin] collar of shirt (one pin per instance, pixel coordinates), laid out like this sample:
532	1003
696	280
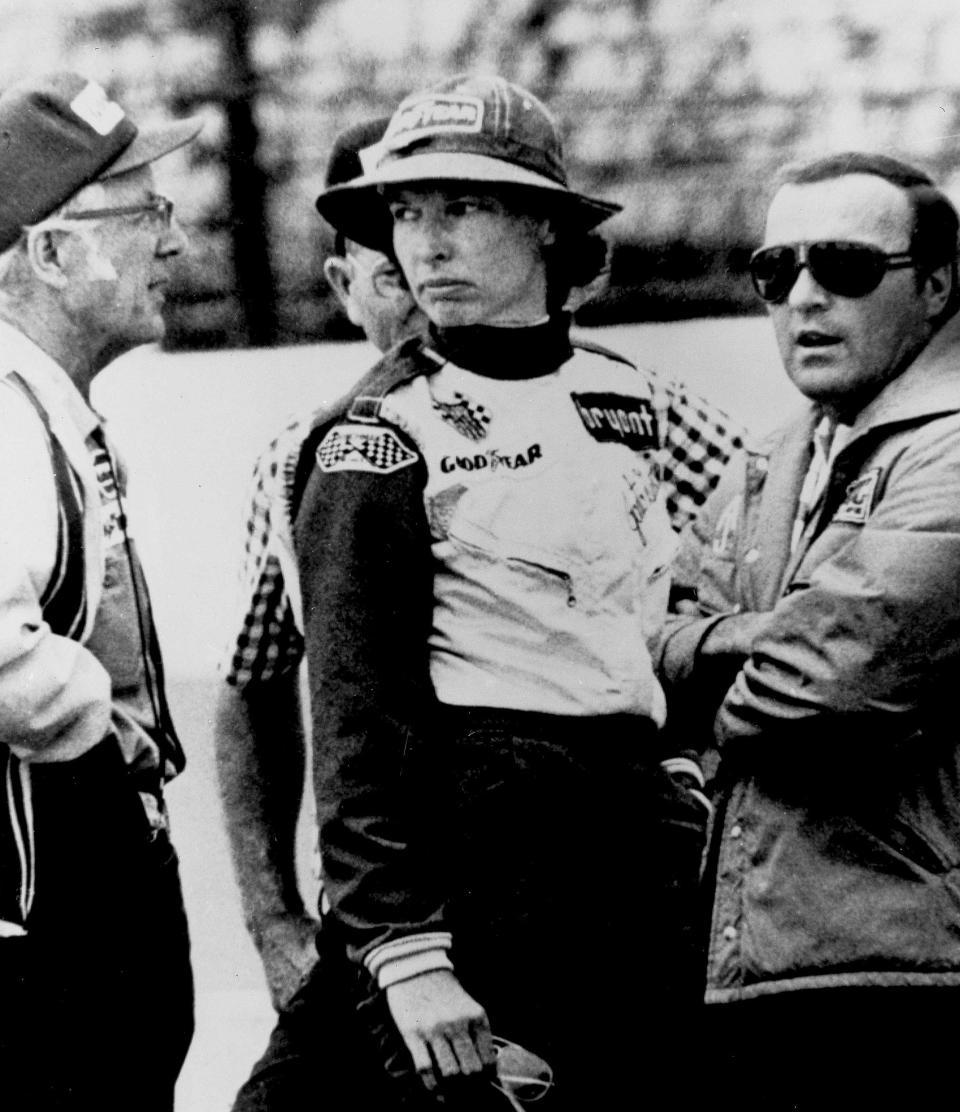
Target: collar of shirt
48	380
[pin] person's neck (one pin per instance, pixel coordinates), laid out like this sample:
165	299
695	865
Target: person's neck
507	351
57	337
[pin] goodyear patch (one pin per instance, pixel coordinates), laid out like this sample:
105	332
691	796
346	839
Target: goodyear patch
858	499
363	448
434	115
618	419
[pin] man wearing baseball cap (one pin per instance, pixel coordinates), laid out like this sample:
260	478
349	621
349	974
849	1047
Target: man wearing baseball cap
96	998
509	848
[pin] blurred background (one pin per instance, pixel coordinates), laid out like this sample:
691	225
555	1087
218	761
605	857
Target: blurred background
682	110
679	109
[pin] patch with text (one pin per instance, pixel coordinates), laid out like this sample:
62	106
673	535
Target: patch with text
491	460
618	419
436	114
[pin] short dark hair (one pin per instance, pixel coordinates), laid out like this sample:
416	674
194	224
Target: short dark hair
933	240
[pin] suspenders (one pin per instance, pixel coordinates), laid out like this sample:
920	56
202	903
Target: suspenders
64	601
64	605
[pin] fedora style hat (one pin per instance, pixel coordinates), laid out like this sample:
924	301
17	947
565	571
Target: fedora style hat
61	132
465	129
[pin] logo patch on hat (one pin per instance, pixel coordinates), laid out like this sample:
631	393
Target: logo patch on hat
618	419
858	500
435	115
363	448
96	109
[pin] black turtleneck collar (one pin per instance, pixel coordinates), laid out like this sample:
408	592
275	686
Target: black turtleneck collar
526	352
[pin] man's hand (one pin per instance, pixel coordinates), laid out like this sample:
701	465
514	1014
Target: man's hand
445	1029
287	945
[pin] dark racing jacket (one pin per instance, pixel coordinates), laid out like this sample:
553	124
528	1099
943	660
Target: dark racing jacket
836	848
497	539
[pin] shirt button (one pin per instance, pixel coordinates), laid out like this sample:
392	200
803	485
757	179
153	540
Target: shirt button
752	556
736	831
729	933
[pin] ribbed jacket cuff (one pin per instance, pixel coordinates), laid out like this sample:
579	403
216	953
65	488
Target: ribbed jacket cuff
403	958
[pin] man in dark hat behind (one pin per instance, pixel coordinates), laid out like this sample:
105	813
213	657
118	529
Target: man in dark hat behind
96	997
259	731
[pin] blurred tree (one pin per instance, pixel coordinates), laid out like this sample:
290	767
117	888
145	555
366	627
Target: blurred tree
234	23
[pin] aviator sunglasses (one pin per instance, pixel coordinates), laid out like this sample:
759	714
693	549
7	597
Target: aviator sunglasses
839	266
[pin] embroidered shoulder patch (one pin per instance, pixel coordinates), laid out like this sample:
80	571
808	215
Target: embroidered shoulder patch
858	500
363	448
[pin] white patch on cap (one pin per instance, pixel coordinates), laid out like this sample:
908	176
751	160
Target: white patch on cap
95	108
434	115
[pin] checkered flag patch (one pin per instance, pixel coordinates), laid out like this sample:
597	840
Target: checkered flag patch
469	418
363	448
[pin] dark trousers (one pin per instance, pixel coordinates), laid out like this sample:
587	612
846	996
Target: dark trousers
571	863
96	1002
833	1050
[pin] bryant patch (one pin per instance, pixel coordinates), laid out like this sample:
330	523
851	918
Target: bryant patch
470	419
617	419
858	500
363	448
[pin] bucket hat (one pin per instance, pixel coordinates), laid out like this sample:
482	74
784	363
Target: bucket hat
60	132
466	129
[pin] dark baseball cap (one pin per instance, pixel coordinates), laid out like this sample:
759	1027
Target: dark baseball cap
59	133
478	129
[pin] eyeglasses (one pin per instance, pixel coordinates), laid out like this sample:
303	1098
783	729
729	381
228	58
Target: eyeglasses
522	1076
160	207
839	266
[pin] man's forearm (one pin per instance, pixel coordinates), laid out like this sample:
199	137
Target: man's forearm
261	763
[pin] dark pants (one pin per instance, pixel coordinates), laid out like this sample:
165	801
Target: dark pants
834	1050
572	864
96	1002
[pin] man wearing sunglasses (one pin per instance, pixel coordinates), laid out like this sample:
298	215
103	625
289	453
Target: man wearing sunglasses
96	997
818	647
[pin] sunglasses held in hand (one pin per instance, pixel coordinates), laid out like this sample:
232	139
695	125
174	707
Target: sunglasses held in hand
841	267
522	1076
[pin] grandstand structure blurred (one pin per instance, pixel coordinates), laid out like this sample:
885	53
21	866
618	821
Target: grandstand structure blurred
680	109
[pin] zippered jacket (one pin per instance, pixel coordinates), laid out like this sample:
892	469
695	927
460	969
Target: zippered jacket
469	540
826	677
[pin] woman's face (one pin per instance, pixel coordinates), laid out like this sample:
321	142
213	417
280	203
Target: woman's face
469	258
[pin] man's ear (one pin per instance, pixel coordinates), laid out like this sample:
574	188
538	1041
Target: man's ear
339	274
939	287
45	252
546	234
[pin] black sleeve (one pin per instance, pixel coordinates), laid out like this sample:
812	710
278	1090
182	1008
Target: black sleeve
365	563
